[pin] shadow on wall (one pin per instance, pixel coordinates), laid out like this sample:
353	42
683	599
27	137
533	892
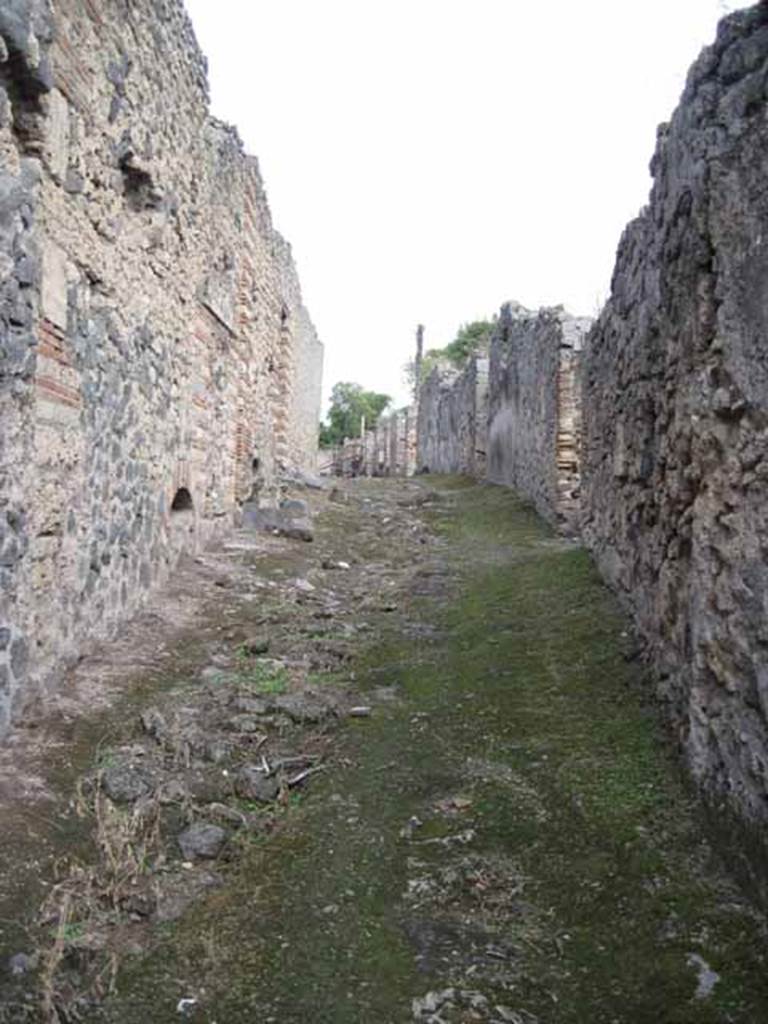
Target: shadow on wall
182	501
182	520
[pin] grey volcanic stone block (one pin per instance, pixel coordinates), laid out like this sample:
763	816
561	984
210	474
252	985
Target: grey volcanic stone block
253	784
202	840
279	521
126	783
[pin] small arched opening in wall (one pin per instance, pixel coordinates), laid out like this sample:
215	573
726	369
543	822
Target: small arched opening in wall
182	520
256	477
182	501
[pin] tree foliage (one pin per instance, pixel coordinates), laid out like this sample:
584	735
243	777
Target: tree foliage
349	404
471	339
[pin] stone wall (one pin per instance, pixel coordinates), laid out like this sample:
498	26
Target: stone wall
157	366
676	418
534	419
453	421
387	449
303	383
513	418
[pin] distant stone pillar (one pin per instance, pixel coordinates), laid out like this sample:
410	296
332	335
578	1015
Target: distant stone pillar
419	360
417	382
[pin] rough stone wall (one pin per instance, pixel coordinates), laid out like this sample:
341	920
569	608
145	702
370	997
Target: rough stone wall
306	392
533	425
157	365
676	417
387	449
452	421
303	379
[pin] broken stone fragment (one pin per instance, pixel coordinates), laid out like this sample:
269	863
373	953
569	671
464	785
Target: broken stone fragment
214	674
251	705
254	784
179	893
295	507
256	645
32	69
278	521
300	478
244	724
20	963
419	500
228	814
202	840
206	784
302	710
218	750
141	901
74	183
328	563
298	529
172	791
154	723
126	783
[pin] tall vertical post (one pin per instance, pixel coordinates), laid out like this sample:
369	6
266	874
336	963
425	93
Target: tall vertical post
418	371
419	360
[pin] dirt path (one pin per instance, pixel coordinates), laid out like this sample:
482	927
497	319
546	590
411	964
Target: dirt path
503	838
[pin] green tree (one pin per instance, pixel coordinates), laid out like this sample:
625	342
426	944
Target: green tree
471	340
349	404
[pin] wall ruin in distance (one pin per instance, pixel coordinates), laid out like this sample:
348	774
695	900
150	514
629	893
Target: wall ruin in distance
534	409
386	449
453	420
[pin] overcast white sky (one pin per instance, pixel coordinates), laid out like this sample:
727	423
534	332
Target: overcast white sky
429	159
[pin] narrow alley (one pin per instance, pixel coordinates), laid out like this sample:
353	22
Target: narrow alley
407	772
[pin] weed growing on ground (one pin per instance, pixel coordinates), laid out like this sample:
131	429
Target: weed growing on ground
264	677
322	679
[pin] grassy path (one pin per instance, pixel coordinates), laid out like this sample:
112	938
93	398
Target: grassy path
504	839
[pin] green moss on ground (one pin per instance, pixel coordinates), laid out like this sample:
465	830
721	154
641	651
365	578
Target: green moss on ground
524	703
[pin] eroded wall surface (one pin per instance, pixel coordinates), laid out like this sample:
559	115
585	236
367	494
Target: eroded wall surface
453	420
676	417
534	419
157	365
